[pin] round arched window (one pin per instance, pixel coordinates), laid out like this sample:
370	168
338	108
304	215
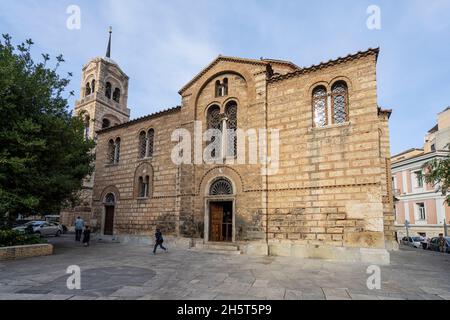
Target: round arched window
221	187
110	199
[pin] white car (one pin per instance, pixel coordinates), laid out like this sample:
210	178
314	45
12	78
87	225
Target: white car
415	242
42	228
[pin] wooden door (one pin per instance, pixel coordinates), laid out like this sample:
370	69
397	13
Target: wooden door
109	221
216	217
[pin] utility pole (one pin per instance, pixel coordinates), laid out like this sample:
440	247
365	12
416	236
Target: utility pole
407	228
445	229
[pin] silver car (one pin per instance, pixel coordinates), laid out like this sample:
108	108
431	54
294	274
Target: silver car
414	242
42	228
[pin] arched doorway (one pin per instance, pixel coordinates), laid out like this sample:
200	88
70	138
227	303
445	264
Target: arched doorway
110	204
220	216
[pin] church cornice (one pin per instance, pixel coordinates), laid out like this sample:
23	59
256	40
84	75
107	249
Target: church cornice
141	119
327	64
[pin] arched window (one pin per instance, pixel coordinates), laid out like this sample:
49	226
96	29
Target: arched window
225	87
144	183
221	187
214	121
320	106
116	95
221	88
117	151
218	87
150	141
105	123
142	145
110	199
87	124
93	86
339	98
231	114
87	90
111	151
108	90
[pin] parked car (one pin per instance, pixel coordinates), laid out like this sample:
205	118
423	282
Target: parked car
56	219
414	242
434	244
42	228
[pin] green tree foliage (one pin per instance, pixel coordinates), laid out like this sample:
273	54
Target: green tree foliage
43	153
437	173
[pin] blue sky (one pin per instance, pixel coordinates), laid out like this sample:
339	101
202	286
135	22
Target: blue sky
161	45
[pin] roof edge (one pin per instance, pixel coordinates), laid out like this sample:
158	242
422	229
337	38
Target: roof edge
329	63
141	119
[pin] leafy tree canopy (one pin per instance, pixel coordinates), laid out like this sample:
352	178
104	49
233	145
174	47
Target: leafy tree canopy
437	173
43	153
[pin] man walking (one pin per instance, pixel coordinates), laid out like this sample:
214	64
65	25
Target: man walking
79	225
441	242
158	241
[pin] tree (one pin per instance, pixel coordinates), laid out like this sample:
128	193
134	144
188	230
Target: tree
44	155
437	173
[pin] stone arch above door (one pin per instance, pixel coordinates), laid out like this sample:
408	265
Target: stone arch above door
221	172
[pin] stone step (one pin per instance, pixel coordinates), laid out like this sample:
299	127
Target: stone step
236	252
217	246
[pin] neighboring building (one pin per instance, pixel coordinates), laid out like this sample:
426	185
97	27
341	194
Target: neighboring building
417	202
330	196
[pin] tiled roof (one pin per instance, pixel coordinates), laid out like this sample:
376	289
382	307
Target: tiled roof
358	55
144	118
238	60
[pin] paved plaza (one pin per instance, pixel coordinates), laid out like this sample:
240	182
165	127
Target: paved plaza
119	271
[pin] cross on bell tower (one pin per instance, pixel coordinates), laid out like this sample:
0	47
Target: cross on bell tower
103	94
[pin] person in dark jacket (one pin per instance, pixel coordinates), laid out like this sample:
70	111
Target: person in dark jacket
86	236
158	241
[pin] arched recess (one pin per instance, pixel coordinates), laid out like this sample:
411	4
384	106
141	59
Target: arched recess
217	172
110	189
144	170
240	72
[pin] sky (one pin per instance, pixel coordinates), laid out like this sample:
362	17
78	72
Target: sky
161	45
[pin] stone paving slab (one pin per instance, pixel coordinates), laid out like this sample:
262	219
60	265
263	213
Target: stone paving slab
116	271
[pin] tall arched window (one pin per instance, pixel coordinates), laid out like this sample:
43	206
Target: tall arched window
142	145
222	88
320	106
339	98
87	90
225	87
144	183
117	151
150	139
87	124
108	90
93	86
218	86
116	95
106	123
214	122
232	125
111	151
146	144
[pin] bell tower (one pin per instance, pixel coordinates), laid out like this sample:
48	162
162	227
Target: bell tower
102	103
104	94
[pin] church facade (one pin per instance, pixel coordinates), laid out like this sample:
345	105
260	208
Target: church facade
327	196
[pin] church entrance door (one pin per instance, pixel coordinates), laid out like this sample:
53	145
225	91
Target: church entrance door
221	221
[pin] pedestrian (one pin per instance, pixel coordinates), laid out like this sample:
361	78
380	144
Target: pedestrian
86	236
158	241
441	242
79	225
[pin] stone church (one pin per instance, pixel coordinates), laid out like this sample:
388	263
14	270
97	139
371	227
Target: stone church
329	198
